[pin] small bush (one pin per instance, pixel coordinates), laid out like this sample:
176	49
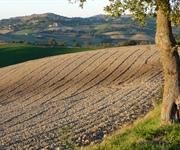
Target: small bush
126	43
77	44
87	43
66	139
62	43
52	42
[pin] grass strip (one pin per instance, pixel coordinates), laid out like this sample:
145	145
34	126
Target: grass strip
146	133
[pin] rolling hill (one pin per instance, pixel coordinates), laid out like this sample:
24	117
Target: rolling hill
41	27
92	93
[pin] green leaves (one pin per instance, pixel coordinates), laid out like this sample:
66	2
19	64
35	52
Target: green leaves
140	9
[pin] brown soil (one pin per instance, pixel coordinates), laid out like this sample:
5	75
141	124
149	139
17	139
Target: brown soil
92	93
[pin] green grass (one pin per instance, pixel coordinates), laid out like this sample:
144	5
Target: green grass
16	53
145	134
100	26
28	31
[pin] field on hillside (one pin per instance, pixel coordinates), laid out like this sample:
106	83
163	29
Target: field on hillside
16	53
92	93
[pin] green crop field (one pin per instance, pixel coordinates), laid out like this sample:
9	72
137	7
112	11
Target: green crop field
16	53
23	32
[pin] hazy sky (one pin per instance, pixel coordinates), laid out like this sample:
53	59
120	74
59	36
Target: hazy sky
13	8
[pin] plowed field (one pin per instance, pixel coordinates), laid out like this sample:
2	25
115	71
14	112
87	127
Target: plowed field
92	93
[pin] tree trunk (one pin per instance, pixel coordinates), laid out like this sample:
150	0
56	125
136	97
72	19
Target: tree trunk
170	61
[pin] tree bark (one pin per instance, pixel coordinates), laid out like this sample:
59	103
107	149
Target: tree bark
170	61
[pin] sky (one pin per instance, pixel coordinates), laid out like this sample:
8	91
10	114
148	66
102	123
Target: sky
14	8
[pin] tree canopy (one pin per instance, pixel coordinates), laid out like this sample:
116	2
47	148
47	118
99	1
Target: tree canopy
52	42
141	9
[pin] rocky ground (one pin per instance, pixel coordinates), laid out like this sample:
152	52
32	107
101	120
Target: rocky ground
90	93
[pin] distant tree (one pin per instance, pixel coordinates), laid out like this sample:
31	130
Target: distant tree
87	43
62	43
143	43
167	12
20	41
26	42
127	43
76	44
107	45
52	42
132	42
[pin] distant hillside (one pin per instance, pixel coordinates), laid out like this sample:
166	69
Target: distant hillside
40	27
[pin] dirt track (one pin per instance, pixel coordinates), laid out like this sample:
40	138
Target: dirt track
93	93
